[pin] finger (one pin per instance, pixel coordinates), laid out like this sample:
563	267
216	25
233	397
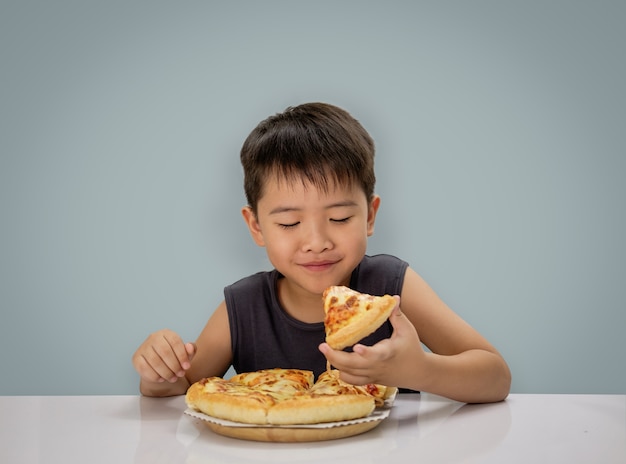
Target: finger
396	309
399	322
145	370
179	348
333	356
171	350
160	368
190	349
355	378
159	361
343	360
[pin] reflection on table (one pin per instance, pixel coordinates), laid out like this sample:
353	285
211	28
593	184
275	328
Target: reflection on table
421	428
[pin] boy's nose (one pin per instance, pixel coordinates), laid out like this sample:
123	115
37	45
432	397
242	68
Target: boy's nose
316	240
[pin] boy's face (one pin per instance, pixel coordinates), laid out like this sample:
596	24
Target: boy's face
314	238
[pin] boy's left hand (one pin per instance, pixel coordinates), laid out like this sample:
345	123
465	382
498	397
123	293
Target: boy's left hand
388	362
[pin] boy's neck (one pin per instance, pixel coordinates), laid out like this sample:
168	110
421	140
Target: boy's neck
300	304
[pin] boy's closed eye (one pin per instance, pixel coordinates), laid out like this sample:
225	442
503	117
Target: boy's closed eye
342	220
289	226
294	224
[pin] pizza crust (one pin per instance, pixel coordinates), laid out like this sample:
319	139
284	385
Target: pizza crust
317	409
250	408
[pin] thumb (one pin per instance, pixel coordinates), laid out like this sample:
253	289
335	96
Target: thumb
402	326
191	349
397	319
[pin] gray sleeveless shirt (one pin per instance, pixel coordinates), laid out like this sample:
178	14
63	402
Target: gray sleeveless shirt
264	336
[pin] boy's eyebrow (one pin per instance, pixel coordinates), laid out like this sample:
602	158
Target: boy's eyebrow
287	209
283	209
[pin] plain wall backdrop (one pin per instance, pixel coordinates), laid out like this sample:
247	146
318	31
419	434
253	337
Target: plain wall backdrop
501	162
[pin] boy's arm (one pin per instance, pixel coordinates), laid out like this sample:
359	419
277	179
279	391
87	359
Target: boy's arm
167	366
462	364
214	353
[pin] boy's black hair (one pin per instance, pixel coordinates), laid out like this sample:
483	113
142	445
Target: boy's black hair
314	142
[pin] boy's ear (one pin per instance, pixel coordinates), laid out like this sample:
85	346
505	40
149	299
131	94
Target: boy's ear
371	214
253	225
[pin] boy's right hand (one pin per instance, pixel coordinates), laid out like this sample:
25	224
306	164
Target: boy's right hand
163	356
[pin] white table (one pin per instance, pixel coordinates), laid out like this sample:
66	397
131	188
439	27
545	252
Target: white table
421	429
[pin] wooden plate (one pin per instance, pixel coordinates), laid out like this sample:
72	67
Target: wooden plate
292	434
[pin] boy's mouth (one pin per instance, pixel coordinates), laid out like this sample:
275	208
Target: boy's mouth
318	265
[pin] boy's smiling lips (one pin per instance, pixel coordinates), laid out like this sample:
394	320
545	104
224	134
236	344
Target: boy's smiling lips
318	265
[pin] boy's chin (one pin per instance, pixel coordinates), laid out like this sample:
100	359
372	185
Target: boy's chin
320	288
314	288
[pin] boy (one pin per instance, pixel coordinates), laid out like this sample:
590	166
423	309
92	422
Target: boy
309	182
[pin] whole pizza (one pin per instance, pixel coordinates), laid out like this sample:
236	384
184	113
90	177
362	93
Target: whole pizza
283	396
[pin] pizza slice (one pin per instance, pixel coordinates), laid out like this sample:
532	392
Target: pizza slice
351	316
328	400
247	397
234	401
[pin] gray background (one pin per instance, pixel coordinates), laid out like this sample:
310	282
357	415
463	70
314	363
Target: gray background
501	161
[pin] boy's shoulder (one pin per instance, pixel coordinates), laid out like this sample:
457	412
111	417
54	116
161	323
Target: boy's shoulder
380	264
379	274
258	280
381	259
